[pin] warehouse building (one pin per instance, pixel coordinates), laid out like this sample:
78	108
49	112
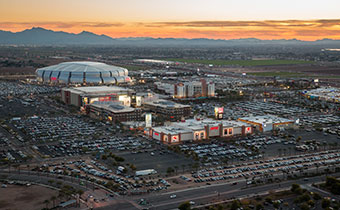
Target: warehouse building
268	122
81	96
198	130
168	109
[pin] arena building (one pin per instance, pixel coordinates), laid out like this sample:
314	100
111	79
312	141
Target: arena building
198	130
81	96
83	72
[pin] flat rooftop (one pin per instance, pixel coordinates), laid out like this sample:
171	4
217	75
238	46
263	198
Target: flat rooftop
325	92
267	119
166	104
113	107
97	89
194	124
171	130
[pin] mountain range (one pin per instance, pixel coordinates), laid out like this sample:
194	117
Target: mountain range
41	36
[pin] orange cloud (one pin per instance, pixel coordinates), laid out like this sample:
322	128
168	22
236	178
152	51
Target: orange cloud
267	29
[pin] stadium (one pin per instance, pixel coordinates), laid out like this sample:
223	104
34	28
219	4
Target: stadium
83	72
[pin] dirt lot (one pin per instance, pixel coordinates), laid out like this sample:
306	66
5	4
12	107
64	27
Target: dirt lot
21	197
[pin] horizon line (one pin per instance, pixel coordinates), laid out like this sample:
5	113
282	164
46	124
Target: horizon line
155	37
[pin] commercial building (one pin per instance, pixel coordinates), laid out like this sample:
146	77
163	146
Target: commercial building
81	96
324	94
114	111
168	109
268	122
198	130
189	89
194	89
83	72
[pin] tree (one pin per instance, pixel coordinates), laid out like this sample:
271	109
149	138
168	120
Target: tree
133	167
311	203
51	181
259	206
170	170
296	188
46	202
184	206
304	206
316	196
279	150
235	205
176	168
325	203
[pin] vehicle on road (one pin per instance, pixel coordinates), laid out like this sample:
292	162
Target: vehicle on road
173	196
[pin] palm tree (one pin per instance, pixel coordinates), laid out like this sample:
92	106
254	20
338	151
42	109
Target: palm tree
50	181
46	202
279	150
324	144
176	168
284	151
53	198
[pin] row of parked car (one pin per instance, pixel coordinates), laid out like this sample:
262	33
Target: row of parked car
16	88
96	172
216	150
270	166
259	142
54	128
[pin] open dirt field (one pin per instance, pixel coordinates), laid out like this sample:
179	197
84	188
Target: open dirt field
22	197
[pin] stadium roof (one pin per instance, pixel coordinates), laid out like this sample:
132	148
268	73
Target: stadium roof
83	72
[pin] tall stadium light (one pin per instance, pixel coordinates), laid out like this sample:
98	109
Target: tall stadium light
148	120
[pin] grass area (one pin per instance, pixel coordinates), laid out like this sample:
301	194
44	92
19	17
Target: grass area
132	67
278	74
291	74
242	62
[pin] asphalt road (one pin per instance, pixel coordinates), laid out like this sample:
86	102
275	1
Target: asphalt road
223	191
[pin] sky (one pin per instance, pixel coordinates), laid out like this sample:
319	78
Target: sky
216	19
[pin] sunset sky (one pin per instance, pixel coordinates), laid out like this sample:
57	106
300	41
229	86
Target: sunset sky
218	19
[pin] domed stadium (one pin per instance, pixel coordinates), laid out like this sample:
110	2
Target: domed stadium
83	72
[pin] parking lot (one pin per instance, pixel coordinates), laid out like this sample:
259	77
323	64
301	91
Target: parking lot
44	129
287	165
19	88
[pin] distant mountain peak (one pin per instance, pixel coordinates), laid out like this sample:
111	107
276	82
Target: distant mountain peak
42	36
